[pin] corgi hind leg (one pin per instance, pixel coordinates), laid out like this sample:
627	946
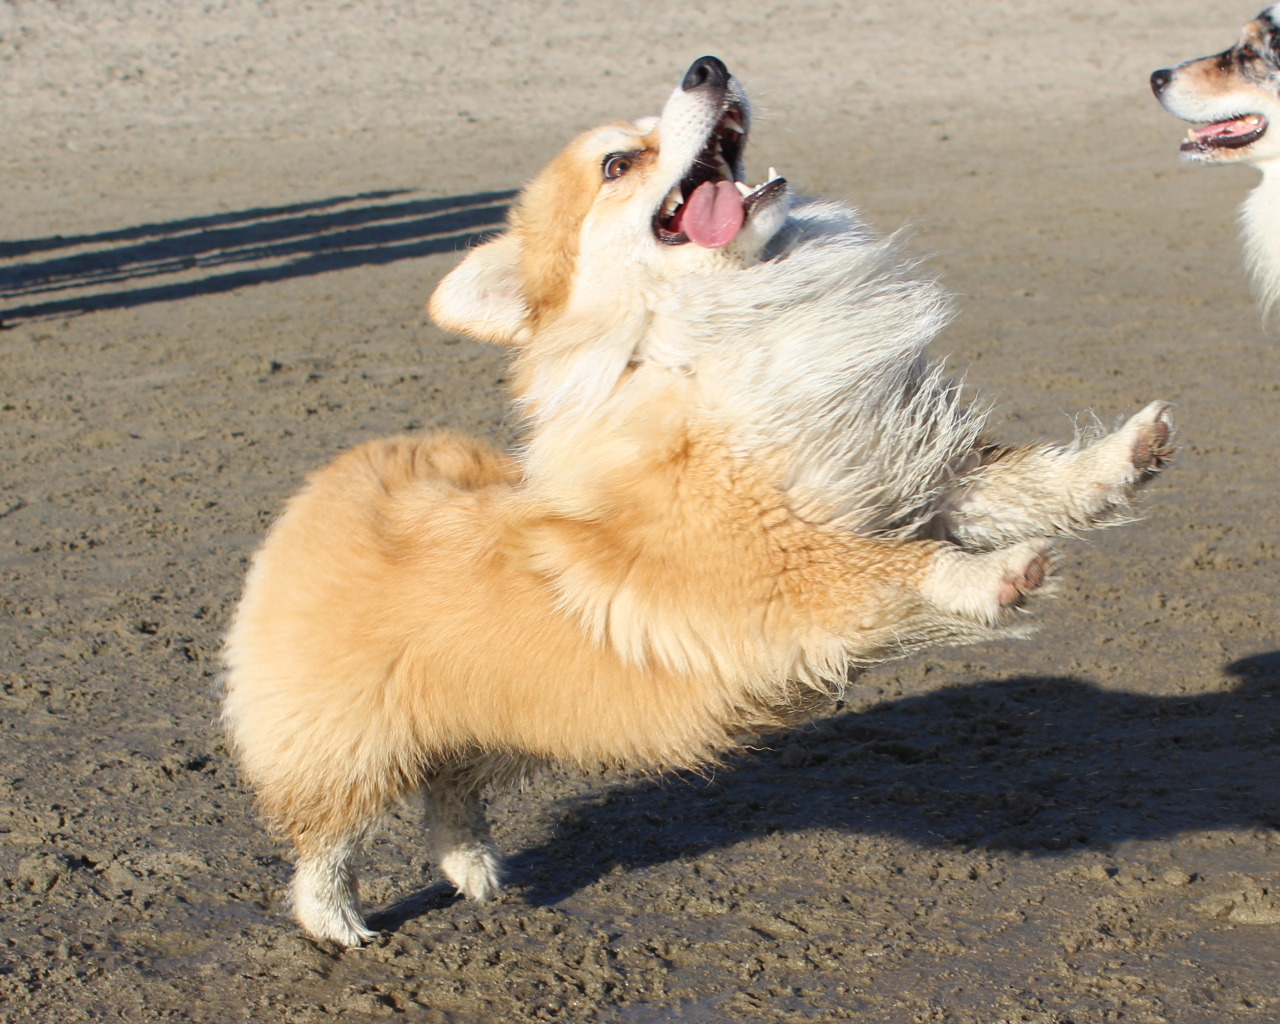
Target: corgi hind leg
1040	490
459	833
324	888
329	818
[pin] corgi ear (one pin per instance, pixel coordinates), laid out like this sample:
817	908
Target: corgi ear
483	296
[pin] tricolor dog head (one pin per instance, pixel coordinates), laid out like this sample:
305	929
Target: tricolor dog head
1233	96
621	209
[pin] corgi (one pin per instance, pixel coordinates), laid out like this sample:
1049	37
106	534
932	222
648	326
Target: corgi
741	483
1234	99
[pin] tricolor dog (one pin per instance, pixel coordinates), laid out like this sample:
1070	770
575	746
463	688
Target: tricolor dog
1233	98
741	483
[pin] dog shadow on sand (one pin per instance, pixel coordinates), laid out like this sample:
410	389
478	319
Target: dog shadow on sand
1041	765
66	275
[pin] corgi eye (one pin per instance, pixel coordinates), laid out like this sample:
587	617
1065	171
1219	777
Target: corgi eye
615	165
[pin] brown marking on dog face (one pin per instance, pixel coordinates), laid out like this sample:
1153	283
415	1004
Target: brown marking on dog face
1225	74
1262	36
547	221
1252	59
1254	34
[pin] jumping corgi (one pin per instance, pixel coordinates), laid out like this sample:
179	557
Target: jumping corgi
741	483
1234	97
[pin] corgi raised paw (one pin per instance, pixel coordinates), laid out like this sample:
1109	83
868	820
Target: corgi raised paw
986	587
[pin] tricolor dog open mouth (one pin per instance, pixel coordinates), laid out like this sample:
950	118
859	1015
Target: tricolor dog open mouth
710	204
1230	99
1232	133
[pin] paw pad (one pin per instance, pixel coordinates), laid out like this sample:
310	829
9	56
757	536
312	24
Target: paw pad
1020	582
1153	446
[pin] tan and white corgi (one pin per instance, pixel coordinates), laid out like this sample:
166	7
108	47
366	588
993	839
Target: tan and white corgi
1234	99
741	483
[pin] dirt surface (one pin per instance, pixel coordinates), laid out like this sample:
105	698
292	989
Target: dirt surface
221	224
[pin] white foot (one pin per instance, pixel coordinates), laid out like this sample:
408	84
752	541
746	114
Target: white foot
324	900
1134	453
460	836
473	869
1153	445
986	587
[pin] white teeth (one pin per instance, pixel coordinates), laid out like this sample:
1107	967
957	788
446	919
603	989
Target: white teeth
744	188
672	202
1191	135
1254	120
772	174
734	124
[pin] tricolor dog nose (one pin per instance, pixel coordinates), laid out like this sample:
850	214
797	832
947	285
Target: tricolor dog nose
706	71
1159	79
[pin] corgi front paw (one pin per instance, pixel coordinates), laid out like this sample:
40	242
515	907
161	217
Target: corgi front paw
1150	434
1127	459
987	587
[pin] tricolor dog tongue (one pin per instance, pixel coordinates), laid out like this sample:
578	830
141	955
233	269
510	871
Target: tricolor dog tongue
713	215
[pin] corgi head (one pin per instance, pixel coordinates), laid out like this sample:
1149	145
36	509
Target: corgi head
1233	96
621	209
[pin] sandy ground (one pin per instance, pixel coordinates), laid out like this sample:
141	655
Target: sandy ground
221	222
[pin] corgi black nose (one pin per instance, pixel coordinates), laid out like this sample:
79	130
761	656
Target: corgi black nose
1161	78
706	71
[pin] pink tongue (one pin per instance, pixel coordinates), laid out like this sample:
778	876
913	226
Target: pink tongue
713	215
1237	126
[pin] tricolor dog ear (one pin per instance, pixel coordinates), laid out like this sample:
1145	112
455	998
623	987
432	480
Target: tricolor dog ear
484	296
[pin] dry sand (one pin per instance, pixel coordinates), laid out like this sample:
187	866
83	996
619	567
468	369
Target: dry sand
221	223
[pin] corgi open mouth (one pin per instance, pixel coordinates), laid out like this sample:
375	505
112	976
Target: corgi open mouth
709	205
1232	133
